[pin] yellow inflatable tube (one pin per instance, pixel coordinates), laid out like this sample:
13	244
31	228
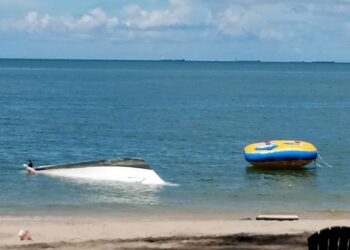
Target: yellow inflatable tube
280	153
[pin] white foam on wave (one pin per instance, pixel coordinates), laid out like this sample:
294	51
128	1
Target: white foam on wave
171	184
105	173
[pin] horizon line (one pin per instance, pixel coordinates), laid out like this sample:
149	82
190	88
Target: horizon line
177	60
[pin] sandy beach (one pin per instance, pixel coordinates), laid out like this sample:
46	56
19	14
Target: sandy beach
201	231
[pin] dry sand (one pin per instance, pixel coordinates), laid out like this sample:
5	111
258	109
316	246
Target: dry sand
213	231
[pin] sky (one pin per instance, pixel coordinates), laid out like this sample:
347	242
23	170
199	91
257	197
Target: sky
223	30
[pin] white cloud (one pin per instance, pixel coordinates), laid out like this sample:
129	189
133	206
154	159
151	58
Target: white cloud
133	23
96	18
179	12
263	21
237	21
137	17
194	19
34	23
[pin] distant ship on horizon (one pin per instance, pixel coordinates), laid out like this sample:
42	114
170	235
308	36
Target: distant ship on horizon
172	60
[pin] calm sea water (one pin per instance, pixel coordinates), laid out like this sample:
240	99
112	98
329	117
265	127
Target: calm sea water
189	120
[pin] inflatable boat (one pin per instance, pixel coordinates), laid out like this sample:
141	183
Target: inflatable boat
280	153
130	170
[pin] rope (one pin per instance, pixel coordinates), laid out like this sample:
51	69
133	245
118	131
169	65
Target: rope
322	161
317	164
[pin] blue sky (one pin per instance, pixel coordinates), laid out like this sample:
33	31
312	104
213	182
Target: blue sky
268	30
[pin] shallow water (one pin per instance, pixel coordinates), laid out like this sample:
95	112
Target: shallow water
189	120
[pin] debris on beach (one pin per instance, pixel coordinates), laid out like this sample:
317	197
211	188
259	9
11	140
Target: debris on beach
278	217
24	235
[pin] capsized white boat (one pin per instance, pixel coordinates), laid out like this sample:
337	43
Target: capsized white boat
130	170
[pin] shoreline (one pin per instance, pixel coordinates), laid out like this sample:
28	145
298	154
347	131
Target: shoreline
156	231
178	213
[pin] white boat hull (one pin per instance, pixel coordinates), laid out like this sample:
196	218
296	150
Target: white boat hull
109	173
124	170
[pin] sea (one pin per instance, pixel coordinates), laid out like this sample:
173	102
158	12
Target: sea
189	120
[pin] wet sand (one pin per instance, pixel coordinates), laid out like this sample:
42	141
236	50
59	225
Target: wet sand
162	232
241	242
